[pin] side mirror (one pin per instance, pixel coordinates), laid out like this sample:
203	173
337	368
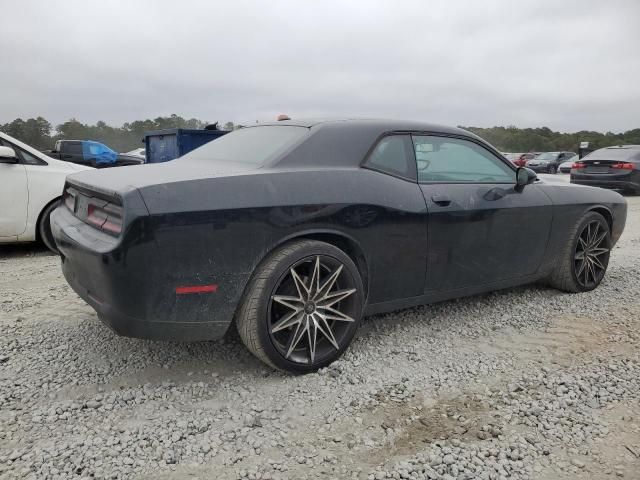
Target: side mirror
8	155
525	176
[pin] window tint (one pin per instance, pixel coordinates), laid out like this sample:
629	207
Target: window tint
73	148
392	154
441	159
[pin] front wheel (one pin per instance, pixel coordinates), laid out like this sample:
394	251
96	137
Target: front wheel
585	258
302	307
552	169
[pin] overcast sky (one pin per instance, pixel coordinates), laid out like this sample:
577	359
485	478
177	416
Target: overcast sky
569	65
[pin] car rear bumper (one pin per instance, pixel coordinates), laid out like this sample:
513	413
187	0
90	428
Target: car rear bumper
625	181
128	295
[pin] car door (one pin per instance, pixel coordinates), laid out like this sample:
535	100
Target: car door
398	268
482	229
14	197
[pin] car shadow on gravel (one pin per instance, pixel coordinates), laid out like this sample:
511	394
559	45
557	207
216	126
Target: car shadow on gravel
123	361
445	314
17	250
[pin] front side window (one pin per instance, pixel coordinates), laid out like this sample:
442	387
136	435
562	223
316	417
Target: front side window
25	157
392	155
29	159
442	159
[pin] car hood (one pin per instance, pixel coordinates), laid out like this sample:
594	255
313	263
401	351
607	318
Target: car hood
128	156
62	166
120	179
552	179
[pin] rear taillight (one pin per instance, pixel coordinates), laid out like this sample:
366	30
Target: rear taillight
105	216
623	166
69	199
577	166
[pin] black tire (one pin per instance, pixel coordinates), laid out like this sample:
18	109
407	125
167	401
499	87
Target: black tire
568	276
259	314
44	227
552	169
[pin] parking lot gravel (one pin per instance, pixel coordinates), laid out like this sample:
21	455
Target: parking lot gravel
527	383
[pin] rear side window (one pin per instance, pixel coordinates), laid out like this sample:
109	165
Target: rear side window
393	155
254	145
443	159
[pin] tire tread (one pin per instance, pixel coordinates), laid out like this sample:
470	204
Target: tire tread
246	317
562	276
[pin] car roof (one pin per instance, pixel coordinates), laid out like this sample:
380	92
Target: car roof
373	123
630	147
345	142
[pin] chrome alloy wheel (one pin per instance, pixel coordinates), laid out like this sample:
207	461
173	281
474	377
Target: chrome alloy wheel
592	254
312	310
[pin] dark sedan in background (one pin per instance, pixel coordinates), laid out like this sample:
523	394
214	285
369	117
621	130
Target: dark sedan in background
611	167
549	162
291	232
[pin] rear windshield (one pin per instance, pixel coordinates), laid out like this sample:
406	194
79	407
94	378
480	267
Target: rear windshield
254	145
614	154
547	156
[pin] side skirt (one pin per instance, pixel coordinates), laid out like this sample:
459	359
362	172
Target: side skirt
440	296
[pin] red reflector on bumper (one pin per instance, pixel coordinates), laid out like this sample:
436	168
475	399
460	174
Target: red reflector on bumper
197	289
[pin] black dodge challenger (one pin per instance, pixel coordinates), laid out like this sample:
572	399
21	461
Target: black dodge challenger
293	231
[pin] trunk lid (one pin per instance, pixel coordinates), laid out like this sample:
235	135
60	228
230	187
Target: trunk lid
120	179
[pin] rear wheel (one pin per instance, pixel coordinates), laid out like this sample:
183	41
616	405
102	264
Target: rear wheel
302	307
44	227
585	258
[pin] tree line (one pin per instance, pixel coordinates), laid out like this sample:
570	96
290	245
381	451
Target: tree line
40	133
512	139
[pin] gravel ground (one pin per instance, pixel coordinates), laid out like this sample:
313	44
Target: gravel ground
518	384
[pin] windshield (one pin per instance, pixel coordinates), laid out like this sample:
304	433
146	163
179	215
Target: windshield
96	148
253	145
547	156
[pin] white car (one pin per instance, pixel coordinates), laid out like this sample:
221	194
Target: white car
137	152
31	185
